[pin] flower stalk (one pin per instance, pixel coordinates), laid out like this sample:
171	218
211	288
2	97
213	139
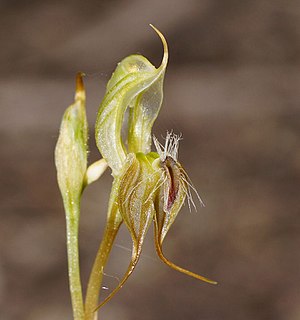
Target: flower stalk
112	226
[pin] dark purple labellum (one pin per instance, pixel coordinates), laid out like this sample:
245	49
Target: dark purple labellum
173	173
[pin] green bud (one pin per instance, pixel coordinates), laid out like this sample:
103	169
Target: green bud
71	147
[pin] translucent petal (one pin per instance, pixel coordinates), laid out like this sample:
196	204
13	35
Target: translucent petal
138	84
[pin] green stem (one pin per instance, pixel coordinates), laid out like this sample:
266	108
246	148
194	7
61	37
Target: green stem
72	221
114	221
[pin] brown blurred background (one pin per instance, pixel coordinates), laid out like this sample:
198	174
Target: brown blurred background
232	89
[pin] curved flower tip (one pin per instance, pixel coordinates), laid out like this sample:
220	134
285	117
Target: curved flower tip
80	91
165	46
172	265
131	267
